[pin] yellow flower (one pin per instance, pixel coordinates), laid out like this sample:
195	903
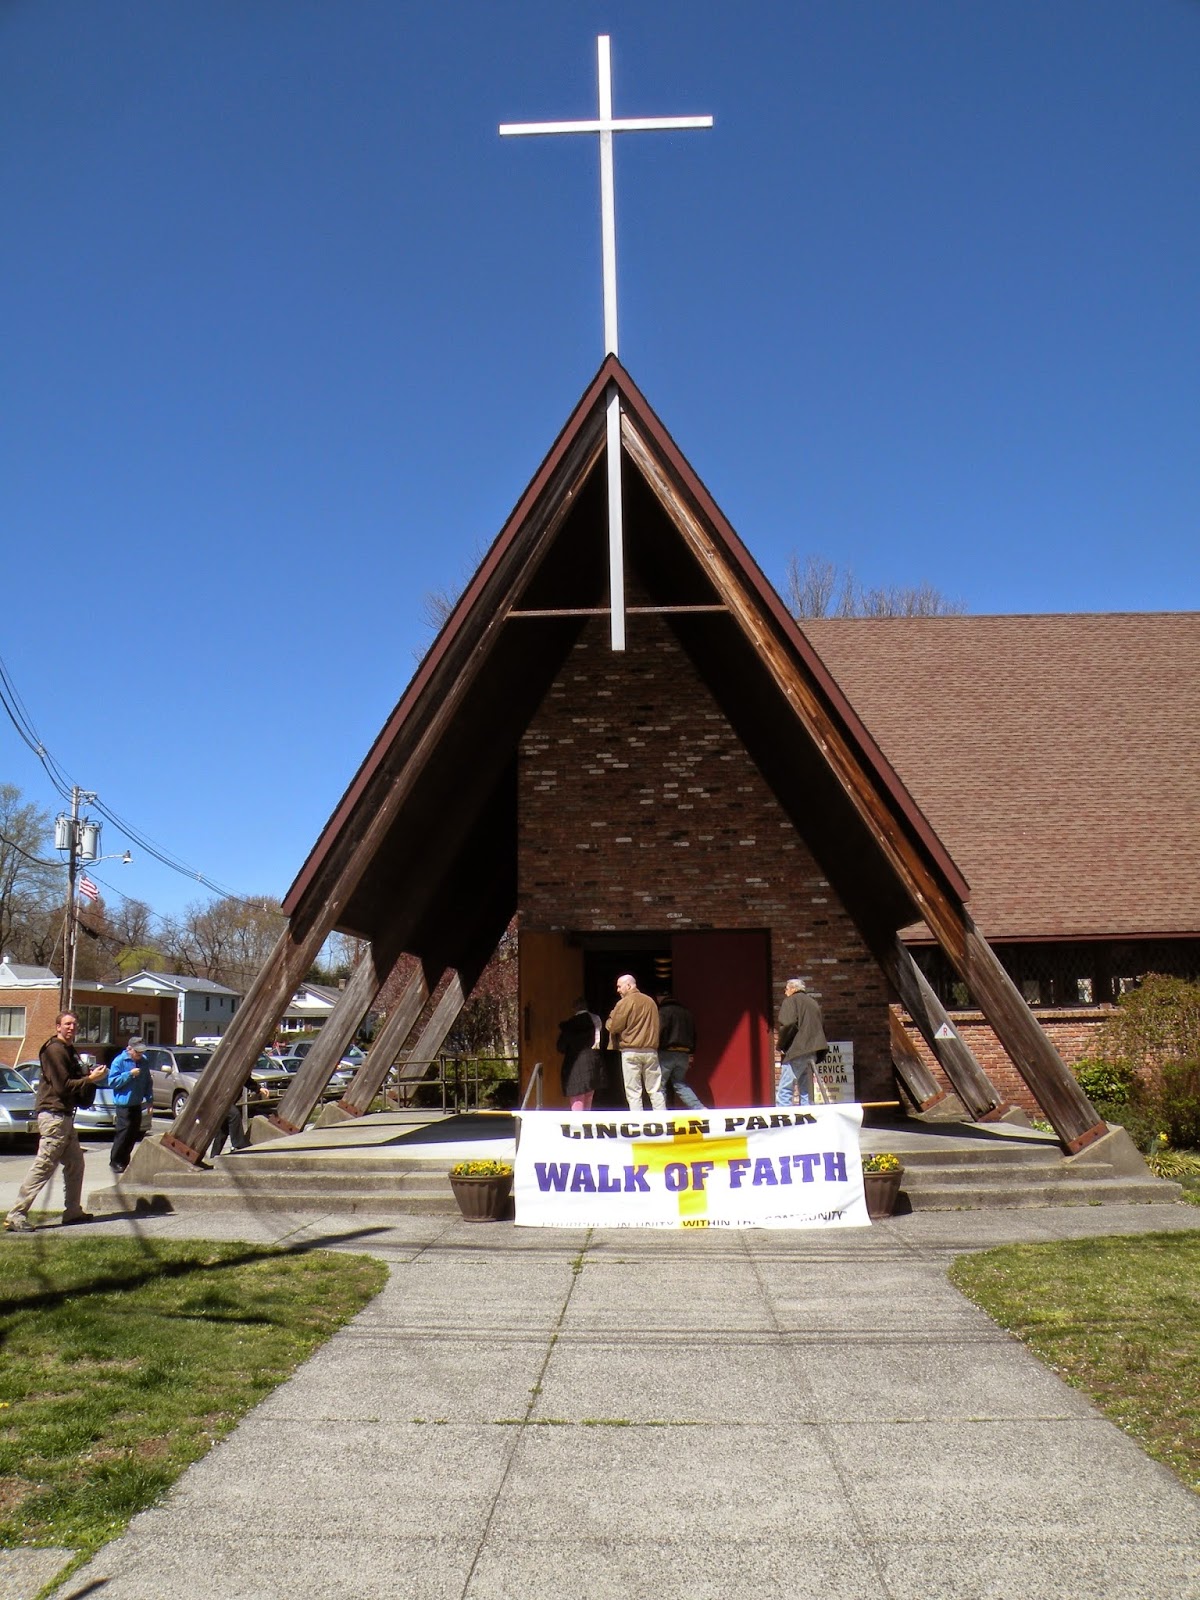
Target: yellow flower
481	1169
881	1163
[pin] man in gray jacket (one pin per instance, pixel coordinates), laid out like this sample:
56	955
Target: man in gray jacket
800	1038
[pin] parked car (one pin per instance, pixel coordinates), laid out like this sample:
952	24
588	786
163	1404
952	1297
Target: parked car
175	1071
343	1073
17	1120
99	1117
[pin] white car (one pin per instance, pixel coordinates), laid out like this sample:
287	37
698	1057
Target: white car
99	1117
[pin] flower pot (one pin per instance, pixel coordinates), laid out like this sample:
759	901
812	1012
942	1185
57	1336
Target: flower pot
482	1199
881	1190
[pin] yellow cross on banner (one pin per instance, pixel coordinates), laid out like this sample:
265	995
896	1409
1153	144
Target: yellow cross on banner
703	1156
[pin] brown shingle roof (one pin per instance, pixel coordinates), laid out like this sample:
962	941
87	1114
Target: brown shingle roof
1058	757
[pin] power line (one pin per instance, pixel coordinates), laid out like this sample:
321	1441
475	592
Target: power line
37	860
17	714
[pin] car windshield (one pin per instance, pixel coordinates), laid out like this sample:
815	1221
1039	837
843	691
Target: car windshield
192	1060
12	1082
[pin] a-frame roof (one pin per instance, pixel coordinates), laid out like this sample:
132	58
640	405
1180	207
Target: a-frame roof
437	788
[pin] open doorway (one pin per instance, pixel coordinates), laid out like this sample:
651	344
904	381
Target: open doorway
605	957
723	976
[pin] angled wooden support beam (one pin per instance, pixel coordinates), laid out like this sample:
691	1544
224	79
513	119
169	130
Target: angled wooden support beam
1073	1116
971	1083
321	1061
494	909
445	1014
253	1024
920	1084
296	949
400	1022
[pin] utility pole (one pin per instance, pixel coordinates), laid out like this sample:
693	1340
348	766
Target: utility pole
66	837
80	838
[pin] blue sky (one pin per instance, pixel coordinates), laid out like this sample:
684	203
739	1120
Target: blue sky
288	327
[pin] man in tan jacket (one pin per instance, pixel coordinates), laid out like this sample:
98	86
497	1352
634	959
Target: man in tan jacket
633	1030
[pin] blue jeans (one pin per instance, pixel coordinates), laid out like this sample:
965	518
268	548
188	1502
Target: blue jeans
795	1074
674	1064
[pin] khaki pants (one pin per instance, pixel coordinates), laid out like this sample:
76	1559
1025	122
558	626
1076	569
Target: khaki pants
58	1145
640	1067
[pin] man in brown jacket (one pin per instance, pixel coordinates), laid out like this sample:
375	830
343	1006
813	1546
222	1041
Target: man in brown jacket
633	1030
63	1084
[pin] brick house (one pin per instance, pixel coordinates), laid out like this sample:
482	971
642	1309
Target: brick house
108	1015
1056	757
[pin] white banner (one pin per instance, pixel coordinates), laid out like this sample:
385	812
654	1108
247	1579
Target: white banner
740	1168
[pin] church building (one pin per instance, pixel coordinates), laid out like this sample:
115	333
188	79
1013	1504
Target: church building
701	805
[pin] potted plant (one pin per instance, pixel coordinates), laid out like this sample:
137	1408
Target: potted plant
482	1189
881	1183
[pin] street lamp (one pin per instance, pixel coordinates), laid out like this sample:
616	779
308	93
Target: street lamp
80	838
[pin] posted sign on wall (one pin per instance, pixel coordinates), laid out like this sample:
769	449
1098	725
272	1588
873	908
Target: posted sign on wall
751	1168
834	1077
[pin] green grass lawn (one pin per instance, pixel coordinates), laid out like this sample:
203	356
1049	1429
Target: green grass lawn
1118	1318
121	1361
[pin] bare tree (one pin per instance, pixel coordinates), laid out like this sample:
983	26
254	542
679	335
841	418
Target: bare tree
226	940
817	587
336	959
31	883
437	604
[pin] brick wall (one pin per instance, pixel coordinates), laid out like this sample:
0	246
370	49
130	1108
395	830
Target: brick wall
1070	1030
41	1008
640	810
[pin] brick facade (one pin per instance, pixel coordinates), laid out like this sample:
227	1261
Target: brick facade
1070	1030
41	1008
639	809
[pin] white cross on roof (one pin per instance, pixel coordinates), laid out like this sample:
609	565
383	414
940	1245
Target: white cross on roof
605	126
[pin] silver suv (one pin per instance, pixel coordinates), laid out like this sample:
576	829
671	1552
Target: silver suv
175	1071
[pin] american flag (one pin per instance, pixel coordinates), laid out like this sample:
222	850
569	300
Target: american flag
88	889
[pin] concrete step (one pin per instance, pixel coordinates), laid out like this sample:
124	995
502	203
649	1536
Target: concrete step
430	1196
940	1174
1106	1190
923	1174
985	1155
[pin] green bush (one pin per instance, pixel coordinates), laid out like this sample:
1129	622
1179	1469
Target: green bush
1172	1098
1140	1123
1156	1023
1112	1082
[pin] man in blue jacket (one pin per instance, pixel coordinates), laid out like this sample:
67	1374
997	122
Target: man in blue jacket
132	1088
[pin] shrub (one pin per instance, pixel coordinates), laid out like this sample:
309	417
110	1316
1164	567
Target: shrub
1172	1097
1110	1082
1140	1123
1155	1023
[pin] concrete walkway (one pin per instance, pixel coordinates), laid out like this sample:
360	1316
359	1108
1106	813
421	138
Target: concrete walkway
541	1414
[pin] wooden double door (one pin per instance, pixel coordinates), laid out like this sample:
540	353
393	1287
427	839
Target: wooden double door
723	976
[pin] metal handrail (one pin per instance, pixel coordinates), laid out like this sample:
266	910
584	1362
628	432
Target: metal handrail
535	1080
456	1079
